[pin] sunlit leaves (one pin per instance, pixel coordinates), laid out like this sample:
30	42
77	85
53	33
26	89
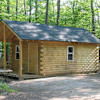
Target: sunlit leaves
73	13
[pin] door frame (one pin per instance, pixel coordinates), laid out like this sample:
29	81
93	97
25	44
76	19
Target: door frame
37	57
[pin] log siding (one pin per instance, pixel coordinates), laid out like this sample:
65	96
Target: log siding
54	58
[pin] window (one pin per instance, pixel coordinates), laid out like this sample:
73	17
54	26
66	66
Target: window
17	52
70	53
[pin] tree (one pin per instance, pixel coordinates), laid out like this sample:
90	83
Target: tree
16	8
46	19
8	6
30	11
93	22
98	12
58	11
24	7
36	10
0	9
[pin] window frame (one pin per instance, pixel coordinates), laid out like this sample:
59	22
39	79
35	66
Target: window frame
70	53
17	52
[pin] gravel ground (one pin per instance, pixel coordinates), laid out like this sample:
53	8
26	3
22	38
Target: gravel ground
74	87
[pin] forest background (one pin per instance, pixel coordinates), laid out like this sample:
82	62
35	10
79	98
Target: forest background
69	13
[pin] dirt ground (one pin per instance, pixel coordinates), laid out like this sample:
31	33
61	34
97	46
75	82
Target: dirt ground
73	87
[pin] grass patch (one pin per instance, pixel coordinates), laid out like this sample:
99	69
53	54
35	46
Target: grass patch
5	88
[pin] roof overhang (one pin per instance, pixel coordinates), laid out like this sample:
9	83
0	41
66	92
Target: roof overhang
8	31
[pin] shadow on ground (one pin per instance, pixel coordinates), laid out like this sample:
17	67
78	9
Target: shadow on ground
75	87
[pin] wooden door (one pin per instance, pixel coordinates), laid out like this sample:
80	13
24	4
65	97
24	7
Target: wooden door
33	58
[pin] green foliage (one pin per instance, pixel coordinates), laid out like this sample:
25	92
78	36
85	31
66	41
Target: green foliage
73	13
5	88
98	35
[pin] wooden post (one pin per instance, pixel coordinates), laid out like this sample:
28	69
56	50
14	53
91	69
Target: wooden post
4	48
20	59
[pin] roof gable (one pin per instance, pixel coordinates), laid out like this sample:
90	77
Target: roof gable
34	31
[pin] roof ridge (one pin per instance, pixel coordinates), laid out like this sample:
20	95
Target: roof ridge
43	24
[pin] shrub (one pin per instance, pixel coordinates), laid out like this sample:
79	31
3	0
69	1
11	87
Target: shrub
5	88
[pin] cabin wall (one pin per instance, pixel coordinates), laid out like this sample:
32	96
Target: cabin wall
25	57
87	58
25	49
15	63
54	58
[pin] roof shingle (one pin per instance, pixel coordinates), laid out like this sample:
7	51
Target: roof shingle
34	31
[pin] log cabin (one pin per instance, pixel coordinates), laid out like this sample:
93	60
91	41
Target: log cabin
48	50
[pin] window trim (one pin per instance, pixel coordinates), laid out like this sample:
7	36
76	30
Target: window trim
70	53
16	52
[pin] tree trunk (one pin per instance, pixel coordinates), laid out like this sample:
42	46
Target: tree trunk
47	7
36	9
98	17
16	8
0	10
8	6
65	21
93	22
98	14
58	11
53	6
30	12
24	7
73	10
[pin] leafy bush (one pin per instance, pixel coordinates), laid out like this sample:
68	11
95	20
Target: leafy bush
5	88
